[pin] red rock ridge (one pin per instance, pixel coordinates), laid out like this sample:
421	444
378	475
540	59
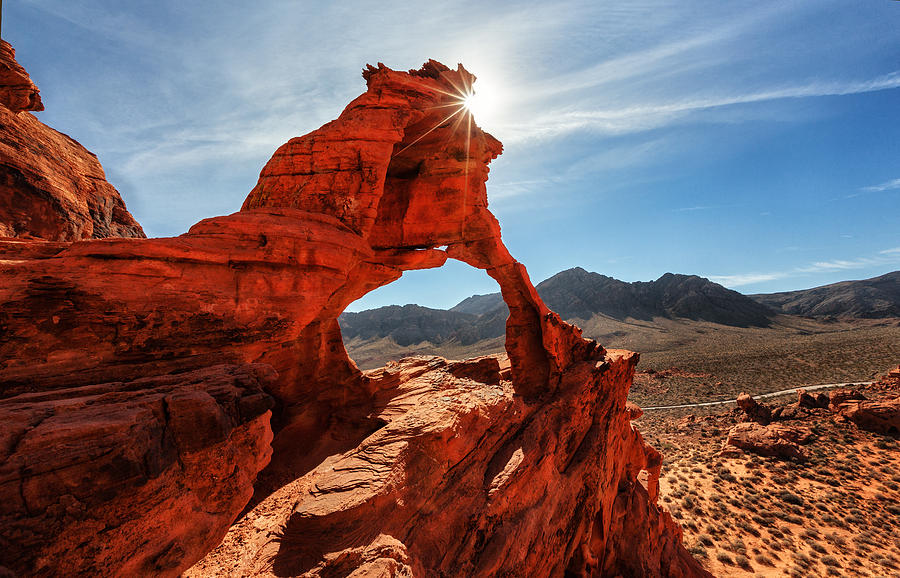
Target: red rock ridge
550	483
17	92
51	187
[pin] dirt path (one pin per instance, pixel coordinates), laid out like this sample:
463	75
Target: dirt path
763	395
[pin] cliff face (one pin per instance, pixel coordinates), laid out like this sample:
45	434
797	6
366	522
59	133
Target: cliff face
51	187
494	466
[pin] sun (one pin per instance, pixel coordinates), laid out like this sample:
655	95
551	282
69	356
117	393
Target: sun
479	105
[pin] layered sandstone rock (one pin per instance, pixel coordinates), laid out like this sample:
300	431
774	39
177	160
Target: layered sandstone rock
51	187
488	466
129	476
774	440
466	478
877	416
754	410
17	92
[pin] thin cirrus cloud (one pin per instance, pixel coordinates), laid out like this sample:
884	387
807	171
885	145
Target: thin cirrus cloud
630	119
885	257
887	186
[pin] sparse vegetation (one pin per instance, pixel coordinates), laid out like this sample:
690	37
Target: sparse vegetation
835	514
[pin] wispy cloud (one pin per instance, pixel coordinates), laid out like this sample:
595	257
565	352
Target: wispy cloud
638	118
888	186
885	257
841	265
745	278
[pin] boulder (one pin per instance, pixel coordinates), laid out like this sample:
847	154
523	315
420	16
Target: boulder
773	440
836	398
811	401
754	410
876	416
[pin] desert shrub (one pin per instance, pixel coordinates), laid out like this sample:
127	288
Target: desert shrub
830	561
748	527
835	539
801	559
698	551
737	545
742	561
724	557
885	560
791	498
854	519
833	521
763	559
705	539
762	521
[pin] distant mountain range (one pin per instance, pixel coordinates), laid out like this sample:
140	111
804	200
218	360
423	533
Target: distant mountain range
577	294
875	298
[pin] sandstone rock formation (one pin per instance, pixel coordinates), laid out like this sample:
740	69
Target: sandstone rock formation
876	416
17	92
426	467
756	411
466	478
812	401
775	440
129	476
51	187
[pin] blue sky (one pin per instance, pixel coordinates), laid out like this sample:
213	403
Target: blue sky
757	143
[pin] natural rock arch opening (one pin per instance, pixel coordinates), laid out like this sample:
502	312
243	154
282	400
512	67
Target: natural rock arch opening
414	325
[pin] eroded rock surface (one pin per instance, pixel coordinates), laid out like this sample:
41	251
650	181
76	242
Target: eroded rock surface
466	478
129	476
754	410
51	187
523	465
774	440
876	416
17	91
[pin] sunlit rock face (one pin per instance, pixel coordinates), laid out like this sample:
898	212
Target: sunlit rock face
17	91
522	465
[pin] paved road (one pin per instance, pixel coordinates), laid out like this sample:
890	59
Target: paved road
763	395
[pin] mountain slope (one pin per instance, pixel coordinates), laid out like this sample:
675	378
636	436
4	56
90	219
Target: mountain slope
406	325
874	298
574	294
579	294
